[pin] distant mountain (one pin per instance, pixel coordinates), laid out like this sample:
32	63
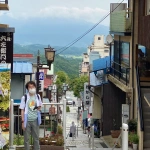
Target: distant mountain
33	49
69	65
53	31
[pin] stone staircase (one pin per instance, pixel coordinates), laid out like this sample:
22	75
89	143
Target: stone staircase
146	116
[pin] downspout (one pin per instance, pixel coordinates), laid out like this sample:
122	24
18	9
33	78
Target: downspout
133	16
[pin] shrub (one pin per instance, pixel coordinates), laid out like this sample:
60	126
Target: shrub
67	109
60	130
132	125
134	138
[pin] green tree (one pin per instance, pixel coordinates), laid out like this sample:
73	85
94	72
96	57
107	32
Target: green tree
77	85
62	77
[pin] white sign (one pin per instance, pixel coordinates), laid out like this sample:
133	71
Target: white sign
41	81
41	75
87	95
41	85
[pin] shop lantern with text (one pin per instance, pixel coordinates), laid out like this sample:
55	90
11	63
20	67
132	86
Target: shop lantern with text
6	48
87	96
50	54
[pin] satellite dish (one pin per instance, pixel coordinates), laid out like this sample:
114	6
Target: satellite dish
109	39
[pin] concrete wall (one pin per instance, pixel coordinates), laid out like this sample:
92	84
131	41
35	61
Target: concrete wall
17	86
97	108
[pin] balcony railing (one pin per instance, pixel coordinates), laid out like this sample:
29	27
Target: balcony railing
4	1
120	21
120	72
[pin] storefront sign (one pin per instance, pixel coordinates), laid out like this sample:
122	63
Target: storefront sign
6	47
87	95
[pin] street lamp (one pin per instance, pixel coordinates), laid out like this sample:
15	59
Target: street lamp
65	88
49	54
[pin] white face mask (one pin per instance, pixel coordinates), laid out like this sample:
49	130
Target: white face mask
32	91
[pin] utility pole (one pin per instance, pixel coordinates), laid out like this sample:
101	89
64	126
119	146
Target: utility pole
37	73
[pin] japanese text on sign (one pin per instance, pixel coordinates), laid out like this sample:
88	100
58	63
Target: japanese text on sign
87	95
5	39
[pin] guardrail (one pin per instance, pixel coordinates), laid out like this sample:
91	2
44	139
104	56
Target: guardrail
11	123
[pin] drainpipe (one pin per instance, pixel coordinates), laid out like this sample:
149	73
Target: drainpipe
132	69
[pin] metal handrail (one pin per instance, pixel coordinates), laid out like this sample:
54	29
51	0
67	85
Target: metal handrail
120	65
4	1
119	71
140	100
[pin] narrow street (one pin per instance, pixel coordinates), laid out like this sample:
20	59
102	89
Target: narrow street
82	140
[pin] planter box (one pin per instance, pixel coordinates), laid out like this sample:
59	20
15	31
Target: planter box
49	147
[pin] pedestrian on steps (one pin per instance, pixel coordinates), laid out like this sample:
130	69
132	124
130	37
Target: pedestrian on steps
73	130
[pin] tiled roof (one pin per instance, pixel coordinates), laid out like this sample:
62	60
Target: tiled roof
22	67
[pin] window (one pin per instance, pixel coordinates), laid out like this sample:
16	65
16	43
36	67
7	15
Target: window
147	7
99	38
121	59
106	51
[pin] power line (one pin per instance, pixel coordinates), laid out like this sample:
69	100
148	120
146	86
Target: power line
88	31
79	38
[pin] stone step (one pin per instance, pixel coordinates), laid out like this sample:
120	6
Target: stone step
146	129
146	115
146	109
146	144
146	122
146	136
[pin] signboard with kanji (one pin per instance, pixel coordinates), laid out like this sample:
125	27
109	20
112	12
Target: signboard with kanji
6	48
87	95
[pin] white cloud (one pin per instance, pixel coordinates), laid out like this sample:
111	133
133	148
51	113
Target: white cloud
87	14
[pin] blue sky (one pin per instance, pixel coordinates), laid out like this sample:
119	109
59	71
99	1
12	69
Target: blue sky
88	10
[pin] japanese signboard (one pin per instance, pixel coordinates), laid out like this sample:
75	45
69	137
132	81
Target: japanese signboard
87	95
5	78
6	48
41	80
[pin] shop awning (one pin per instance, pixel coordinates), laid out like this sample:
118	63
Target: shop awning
22	67
102	63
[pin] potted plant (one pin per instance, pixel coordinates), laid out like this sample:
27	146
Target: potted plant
115	133
132	125
134	138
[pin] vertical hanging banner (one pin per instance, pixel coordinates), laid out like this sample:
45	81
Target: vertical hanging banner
6	48
87	95
5	78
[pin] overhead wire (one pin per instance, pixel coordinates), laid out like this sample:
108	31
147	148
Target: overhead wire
88	31
79	38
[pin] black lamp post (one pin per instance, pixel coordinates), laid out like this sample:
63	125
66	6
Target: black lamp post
49	55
